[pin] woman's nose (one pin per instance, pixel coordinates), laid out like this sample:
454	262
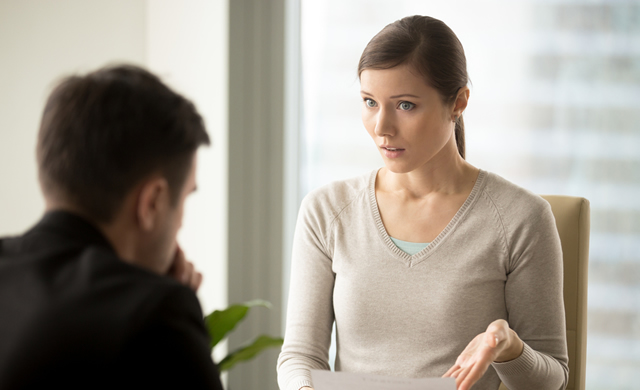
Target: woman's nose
385	125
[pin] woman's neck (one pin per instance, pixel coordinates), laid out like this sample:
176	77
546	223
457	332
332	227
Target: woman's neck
445	177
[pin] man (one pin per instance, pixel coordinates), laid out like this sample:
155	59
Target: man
98	294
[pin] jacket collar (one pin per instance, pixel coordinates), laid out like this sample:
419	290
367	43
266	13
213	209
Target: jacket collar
72	226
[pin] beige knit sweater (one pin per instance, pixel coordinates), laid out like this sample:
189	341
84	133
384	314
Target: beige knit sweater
411	316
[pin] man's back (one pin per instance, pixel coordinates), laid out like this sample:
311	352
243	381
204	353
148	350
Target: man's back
73	313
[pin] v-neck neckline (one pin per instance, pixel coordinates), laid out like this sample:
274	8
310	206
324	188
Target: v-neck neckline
399	254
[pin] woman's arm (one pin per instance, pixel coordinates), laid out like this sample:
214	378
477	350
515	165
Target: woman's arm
535	303
536	321
310	307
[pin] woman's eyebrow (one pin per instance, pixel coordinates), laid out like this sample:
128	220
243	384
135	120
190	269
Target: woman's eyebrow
404	95
392	97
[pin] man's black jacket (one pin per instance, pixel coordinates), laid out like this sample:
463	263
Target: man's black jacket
73	314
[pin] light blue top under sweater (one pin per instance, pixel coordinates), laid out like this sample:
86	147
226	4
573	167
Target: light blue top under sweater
410	248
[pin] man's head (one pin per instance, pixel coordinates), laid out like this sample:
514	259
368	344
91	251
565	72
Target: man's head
117	137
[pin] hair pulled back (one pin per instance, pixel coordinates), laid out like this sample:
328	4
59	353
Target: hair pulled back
431	48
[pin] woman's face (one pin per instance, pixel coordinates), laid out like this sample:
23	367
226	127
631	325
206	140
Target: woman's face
406	118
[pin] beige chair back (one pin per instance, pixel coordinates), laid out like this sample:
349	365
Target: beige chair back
573	223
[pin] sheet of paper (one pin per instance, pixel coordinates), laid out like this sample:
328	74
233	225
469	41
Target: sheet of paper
328	380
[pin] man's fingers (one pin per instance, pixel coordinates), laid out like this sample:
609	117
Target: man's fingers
177	268
196	281
187	273
184	271
184	274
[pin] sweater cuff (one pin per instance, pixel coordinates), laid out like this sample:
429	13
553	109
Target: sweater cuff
300	383
524	363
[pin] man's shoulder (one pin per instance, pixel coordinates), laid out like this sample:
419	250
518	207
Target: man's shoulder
88	304
7	243
140	290
91	282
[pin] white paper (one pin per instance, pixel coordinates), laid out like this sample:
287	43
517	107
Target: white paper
328	380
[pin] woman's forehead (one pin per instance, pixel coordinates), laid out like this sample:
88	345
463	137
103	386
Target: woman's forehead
399	80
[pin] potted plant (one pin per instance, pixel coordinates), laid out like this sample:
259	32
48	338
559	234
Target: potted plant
221	322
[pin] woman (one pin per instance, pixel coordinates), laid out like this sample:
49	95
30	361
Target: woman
428	266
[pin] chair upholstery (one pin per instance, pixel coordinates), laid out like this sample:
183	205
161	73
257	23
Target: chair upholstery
573	223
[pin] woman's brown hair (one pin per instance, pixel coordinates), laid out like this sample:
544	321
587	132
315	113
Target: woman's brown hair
431	48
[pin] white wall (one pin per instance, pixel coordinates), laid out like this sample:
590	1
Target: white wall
40	41
183	41
187	47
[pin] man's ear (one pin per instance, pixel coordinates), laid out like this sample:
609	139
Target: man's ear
153	201
460	104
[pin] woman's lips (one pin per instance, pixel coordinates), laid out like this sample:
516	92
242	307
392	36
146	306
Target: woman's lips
391	152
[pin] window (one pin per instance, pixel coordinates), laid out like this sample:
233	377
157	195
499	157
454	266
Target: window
555	108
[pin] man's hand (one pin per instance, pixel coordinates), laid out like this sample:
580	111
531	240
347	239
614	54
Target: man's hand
183	271
498	344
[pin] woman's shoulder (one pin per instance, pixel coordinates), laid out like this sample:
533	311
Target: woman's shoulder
334	197
512	200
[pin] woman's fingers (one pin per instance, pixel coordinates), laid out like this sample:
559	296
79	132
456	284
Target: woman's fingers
508	345
473	375
450	372
499	330
457	372
462	376
485	348
473	362
491	339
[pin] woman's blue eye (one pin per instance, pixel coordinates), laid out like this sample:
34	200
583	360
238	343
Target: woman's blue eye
406	106
369	103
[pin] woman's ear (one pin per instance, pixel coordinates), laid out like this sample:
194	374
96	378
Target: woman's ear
153	202
460	104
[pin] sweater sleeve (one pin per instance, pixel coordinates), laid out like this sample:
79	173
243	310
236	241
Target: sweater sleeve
534	301
310	314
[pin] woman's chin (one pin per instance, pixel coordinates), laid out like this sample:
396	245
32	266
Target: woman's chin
398	168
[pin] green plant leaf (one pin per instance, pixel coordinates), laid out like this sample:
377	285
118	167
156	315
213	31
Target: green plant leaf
249	351
221	322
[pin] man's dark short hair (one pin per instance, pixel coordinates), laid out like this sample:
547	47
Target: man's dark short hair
103	133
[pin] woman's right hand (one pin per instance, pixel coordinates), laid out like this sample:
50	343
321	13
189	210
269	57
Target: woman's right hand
498	344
